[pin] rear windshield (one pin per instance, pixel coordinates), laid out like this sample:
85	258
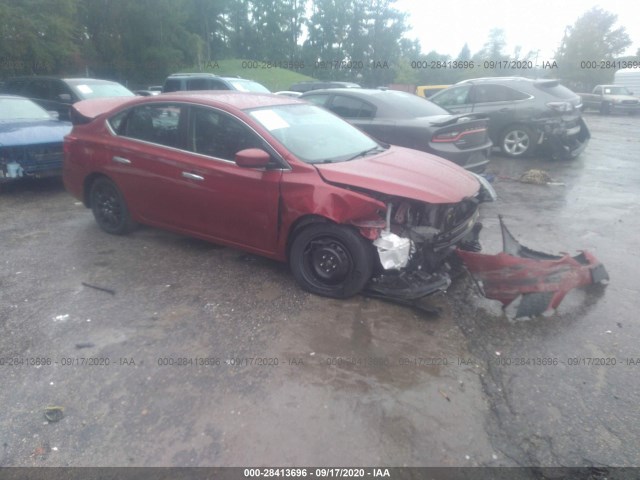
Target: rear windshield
407	105
87	89
554	89
247	86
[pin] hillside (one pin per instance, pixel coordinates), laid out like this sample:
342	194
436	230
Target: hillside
273	78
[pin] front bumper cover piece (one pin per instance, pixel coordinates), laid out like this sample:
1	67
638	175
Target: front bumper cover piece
538	279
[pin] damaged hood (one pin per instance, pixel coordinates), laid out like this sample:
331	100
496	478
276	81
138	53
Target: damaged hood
405	173
30	132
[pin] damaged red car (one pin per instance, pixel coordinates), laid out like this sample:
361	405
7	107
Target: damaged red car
277	177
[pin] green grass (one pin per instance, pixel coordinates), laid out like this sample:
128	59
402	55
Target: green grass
273	78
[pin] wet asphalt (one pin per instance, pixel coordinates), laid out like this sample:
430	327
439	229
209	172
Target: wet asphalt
192	354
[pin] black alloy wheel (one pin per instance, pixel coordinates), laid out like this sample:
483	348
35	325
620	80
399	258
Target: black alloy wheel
109	208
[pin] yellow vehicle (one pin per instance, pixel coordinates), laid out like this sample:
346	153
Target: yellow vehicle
427	90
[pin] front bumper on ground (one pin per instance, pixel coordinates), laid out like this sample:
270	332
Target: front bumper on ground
538	280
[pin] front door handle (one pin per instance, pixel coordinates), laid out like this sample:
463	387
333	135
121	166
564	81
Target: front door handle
124	161
192	176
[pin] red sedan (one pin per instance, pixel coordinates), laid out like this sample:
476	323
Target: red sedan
277	177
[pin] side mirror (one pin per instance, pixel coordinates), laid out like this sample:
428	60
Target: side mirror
252	158
64	97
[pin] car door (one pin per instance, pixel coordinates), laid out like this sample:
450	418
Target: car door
235	204
175	165
146	160
501	104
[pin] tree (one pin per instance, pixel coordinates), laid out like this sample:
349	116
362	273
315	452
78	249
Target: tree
592	38
465	54
38	37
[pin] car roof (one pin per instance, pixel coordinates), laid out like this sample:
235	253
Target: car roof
214	98
503	79
237	99
356	92
8	95
64	79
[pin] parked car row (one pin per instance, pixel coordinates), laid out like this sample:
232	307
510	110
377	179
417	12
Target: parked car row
352	187
404	119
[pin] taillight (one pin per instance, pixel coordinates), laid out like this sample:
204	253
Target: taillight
560	106
67	144
455	135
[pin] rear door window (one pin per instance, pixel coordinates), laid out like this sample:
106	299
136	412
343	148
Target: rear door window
454	96
157	123
496	93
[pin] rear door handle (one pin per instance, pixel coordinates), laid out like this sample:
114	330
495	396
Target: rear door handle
192	176
124	161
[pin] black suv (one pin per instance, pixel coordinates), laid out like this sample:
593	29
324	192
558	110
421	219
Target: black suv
523	113
58	94
208	81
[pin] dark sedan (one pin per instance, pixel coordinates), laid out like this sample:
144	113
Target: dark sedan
403	119
30	139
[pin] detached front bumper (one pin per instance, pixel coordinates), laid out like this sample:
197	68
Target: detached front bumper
538	280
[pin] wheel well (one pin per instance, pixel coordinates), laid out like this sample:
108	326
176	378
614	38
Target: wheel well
300	224
88	182
514	126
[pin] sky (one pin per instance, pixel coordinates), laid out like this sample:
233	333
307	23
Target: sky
445	25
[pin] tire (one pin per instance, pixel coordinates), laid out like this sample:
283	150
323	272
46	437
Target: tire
517	141
109	208
605	108
331	260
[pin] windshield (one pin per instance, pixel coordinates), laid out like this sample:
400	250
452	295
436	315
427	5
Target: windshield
248	86
87	89
21	109
314	135
616	91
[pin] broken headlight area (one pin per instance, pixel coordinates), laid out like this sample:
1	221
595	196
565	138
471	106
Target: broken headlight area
564	139
414	247
536	281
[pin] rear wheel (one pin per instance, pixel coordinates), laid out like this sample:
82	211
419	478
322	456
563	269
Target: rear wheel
331	260
109	208
517	141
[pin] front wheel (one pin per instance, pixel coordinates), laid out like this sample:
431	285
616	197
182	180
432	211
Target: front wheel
517	141
331	260
109	208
